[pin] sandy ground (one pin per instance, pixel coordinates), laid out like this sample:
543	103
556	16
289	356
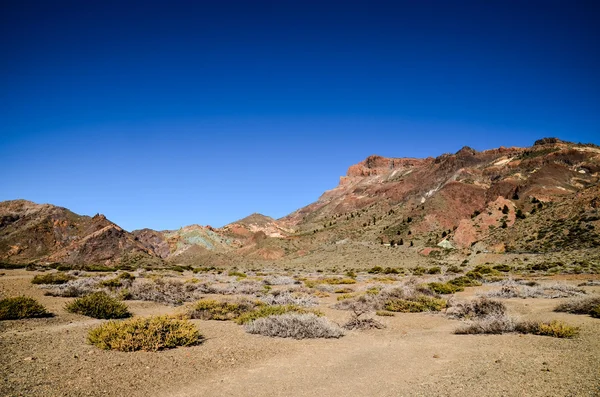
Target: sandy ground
416	355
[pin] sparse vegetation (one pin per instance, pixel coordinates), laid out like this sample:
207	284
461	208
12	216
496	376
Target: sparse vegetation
275	310
477	309
421	303
211	309
149	334
21	307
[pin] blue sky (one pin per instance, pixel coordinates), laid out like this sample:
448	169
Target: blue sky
162	114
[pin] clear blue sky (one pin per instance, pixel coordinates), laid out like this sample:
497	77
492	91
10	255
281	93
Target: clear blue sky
163	114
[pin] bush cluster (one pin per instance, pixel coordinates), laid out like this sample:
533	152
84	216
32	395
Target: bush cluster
21	307
211	309
98	305
275	310
149	334
295	325
52	278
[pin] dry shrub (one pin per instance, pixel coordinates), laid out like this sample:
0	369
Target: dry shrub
149	334
409	297
280	280
170	292
363	324
492	324
295	325
21	307
579	305
287	298
211	309
513	289
478	308
74	288
99	305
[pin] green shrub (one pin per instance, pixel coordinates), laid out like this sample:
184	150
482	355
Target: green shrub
444	288
384	313
275	310
98	305
211	309
422	303
52	278
112	283
149	334
556	329
503	268
434	270
454	269
10	266
237	274
97	268
21	307
464	281
595	312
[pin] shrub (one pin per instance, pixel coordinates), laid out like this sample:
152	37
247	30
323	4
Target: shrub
266	311
74	288
556	329
99	305
579	305
492	324
595	312
279	280
286	298
478	308
21	307
454	269
502	268
336	281
421	304
295	325
52	278
444	288
237	274
363	323
434	270
384	313
149	334
210	309
464	281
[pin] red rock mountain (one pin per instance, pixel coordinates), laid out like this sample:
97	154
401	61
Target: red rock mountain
467	201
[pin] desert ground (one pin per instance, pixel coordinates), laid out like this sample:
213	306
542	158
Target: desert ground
416	354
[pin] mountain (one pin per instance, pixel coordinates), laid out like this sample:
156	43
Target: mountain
32	232
540	200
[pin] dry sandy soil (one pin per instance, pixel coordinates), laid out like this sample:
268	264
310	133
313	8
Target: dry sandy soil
416	355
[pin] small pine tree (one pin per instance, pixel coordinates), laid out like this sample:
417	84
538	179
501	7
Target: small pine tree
401	242
392	243
505	209
444	234
411	243
504	225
